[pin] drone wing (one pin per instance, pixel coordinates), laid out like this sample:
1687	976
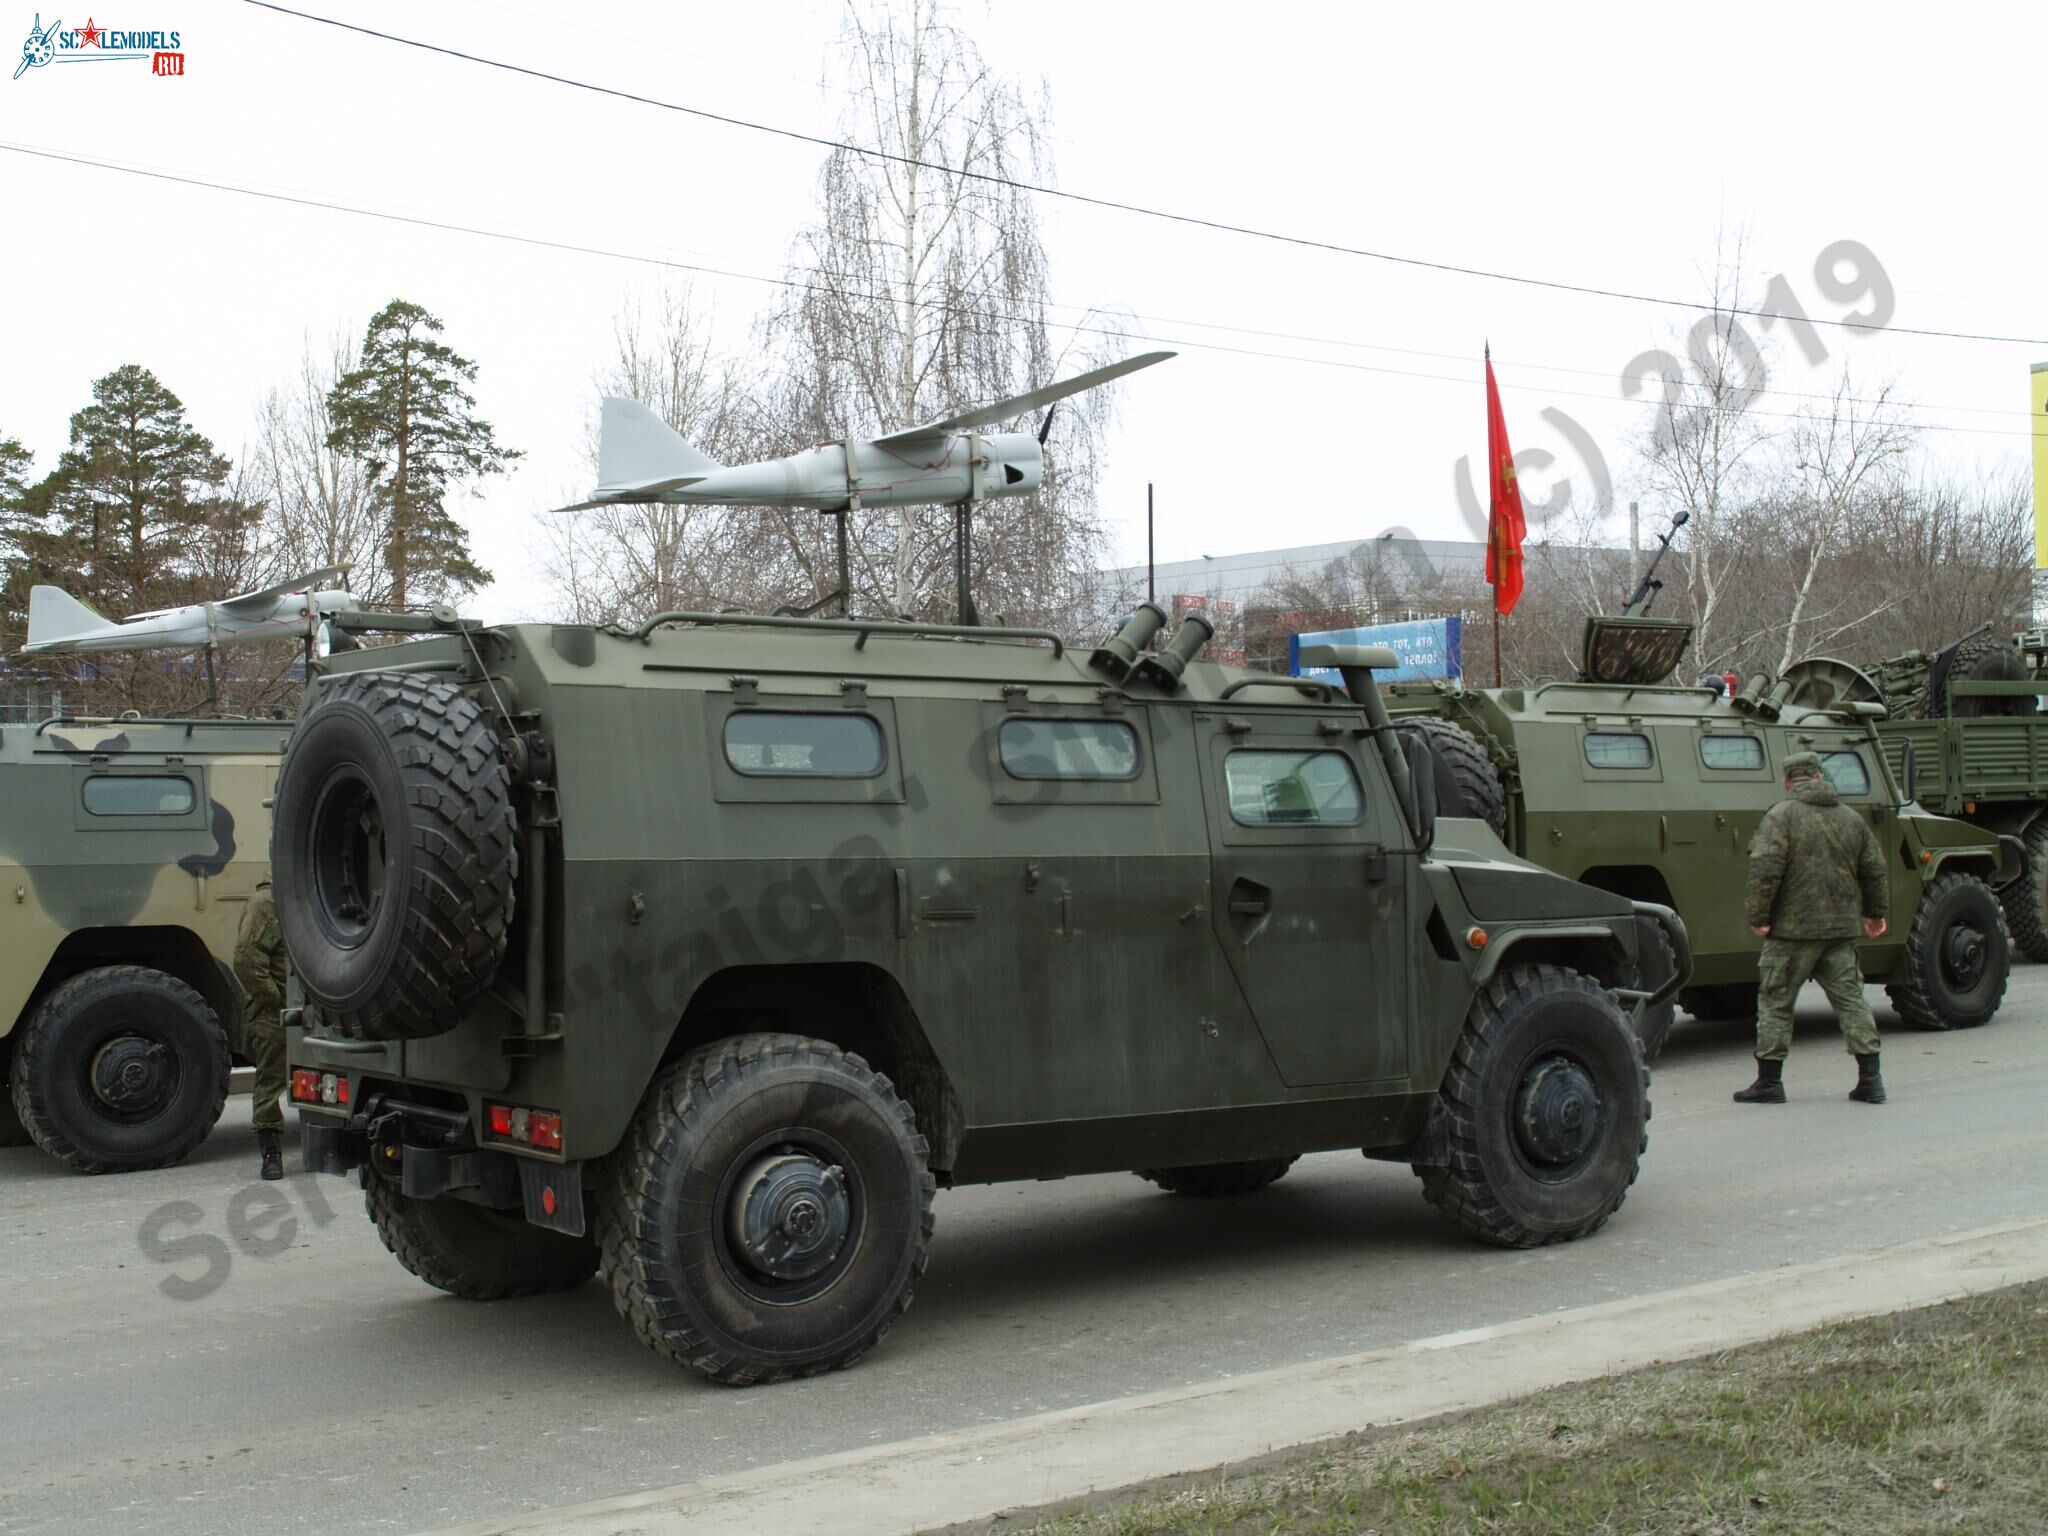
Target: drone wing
1016	405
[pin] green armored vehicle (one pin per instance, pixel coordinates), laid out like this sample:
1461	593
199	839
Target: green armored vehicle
1653	791
701	953
128	851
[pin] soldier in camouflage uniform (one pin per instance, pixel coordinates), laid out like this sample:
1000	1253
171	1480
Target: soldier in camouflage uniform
259	966
1816	881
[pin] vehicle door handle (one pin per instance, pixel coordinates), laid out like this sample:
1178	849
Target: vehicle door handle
1250	907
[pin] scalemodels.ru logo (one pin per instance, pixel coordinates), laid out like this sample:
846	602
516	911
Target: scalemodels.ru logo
93	43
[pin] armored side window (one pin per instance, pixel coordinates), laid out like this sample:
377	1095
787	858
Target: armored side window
1846	772
1286	789
763	743
1618	749
1068	749
1731	752
132	795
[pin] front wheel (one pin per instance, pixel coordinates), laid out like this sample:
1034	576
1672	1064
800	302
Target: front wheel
769	1212
1958	956
2025	900
473	1251
1548	1105
120	1068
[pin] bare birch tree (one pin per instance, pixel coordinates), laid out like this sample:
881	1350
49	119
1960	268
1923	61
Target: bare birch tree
1843	453
923	290
1702	449
321	510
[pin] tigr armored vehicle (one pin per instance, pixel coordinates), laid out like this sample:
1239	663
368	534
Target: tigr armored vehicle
699	953
1654	791
128	852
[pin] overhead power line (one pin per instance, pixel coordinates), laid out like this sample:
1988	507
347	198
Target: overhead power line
1196	221
302	200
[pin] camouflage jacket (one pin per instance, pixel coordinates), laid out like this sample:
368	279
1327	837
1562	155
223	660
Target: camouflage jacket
1815	868
259	956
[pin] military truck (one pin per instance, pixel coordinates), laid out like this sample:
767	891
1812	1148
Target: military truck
1653	791
129	849
1970	713
701	952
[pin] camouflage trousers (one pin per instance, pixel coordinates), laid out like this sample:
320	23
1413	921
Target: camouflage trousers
1784	967
266	1050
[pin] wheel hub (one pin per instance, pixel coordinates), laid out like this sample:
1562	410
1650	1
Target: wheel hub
1963	955
789	1215
1557	1113
131	1074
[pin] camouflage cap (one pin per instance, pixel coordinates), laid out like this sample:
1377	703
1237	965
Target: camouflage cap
1800	764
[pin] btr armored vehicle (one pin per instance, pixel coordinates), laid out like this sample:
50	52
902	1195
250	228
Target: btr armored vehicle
128	852
701	952
1653	791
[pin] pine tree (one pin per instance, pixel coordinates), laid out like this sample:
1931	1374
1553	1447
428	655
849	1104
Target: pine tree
136	504
406	412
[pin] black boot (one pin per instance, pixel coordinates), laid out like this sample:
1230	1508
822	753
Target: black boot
271	1145
1769	1087
1869	1087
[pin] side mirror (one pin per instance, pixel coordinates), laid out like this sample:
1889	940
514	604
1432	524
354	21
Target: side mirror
1422	785
1909	771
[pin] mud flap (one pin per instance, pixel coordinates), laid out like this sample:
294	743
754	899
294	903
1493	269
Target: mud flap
554	1195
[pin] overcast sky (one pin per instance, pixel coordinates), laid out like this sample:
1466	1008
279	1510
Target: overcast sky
1317	396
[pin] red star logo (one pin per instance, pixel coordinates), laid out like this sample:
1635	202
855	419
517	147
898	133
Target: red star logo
89	35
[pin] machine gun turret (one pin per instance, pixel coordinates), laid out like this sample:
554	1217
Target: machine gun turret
1631	647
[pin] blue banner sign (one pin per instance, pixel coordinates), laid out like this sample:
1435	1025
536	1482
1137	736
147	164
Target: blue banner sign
1428	648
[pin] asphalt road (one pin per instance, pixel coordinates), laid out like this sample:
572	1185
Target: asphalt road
146	1389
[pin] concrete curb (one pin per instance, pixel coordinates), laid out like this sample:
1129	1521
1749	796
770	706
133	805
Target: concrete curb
973	1474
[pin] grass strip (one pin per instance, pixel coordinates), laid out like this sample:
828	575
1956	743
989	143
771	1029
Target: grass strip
1927	1421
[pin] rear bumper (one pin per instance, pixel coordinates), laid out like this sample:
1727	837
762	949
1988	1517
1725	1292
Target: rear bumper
428	1153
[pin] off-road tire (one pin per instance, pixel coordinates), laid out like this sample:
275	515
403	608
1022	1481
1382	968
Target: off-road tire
1935	989
2025	900
1658	962
1530	1026
1206	1179
68	1071
1987	659
393	851
12	1132
473	1251
663	1213
1721	1000
1467	784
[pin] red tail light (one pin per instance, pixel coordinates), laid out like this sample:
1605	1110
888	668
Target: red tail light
310	1087
534	1127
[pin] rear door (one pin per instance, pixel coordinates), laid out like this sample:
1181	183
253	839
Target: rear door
1311	893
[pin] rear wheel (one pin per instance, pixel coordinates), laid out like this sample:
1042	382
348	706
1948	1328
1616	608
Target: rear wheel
769	1211
1721	1000
12	1132
1656	962
1548	1105
474	1251
2025	900
119	1069
1467	783
1219	1178
1958	956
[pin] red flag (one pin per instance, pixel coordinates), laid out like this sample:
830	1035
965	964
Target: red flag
1505	525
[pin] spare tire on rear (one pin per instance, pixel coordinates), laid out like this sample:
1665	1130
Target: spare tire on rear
393	850
1467	783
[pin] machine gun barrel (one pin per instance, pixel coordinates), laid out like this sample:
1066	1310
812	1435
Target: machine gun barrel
1646	590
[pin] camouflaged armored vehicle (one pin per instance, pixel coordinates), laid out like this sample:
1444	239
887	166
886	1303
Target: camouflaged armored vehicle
1653	791
128	852
700	953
